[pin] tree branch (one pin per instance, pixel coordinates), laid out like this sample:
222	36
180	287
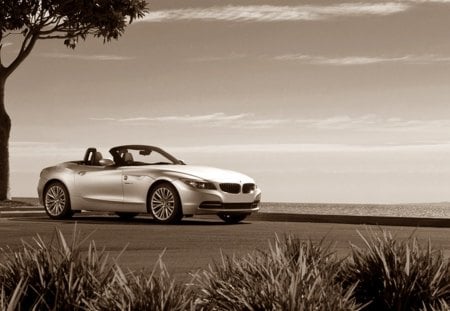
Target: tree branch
54	37
64	19
65	33
27	45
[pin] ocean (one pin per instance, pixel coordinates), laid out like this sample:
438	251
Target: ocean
426	210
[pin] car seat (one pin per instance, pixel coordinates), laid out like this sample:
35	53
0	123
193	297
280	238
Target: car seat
97	157
128	158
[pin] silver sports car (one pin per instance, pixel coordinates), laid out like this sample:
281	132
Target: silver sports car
145	179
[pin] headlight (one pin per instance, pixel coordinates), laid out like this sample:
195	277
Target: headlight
200	184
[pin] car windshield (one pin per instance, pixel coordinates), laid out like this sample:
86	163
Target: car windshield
136	156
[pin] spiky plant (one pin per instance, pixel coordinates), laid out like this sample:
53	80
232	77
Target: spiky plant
393	274
291	275
54	275
14	300
131	291
441	305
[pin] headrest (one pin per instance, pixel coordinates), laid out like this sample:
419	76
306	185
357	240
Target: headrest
128	158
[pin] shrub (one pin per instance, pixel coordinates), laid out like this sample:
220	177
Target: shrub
291	275
391	274
54	275
58	275
140	292
14	300
386	274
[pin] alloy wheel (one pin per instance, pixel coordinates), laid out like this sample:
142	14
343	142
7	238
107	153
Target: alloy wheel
55	200
163	203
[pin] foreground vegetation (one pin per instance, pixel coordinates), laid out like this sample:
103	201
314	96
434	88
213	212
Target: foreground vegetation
386	274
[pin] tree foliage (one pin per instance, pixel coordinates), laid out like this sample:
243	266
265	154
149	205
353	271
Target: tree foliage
70	20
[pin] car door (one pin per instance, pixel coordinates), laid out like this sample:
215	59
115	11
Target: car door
99	188
136	182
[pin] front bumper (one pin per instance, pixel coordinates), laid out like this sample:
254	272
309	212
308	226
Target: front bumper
196	201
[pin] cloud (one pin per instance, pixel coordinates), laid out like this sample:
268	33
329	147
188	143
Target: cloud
262	123
44	154
429	1
364	60
88	57
374	123
310	148
363	123
271	13
214	117
242	120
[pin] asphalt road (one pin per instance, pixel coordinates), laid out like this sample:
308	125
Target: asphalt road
196	243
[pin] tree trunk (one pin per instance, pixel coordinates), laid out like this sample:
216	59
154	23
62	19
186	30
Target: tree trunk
5	128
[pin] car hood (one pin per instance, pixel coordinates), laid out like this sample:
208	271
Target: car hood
211	173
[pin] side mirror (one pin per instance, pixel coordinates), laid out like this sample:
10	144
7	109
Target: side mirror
181	162
106	162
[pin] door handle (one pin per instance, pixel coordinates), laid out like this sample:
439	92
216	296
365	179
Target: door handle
125	178
82	173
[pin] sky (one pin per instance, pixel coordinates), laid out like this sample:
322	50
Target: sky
319	101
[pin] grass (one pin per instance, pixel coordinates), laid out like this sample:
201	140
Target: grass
291	274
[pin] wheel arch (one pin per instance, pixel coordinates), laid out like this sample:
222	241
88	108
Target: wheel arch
52	181
157	183
63	210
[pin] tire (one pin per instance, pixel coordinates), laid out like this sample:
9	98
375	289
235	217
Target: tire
164	204
126	215
57	201
232	218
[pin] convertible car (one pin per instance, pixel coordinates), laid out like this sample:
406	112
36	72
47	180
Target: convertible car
145	179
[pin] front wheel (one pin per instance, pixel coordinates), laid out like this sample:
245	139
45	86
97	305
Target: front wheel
57	201
164	204
232	218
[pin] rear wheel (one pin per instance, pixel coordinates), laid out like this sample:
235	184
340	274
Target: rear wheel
232	218
57	201
126	215
164	204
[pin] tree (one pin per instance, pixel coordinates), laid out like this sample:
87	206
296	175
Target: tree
69	20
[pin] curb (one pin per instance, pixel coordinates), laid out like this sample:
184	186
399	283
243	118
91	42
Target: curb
21	211
284	217
354	220
8	214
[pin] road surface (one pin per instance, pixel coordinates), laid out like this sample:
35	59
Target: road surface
196	243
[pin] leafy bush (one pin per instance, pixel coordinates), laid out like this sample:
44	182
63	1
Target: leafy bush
391	274
291	275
